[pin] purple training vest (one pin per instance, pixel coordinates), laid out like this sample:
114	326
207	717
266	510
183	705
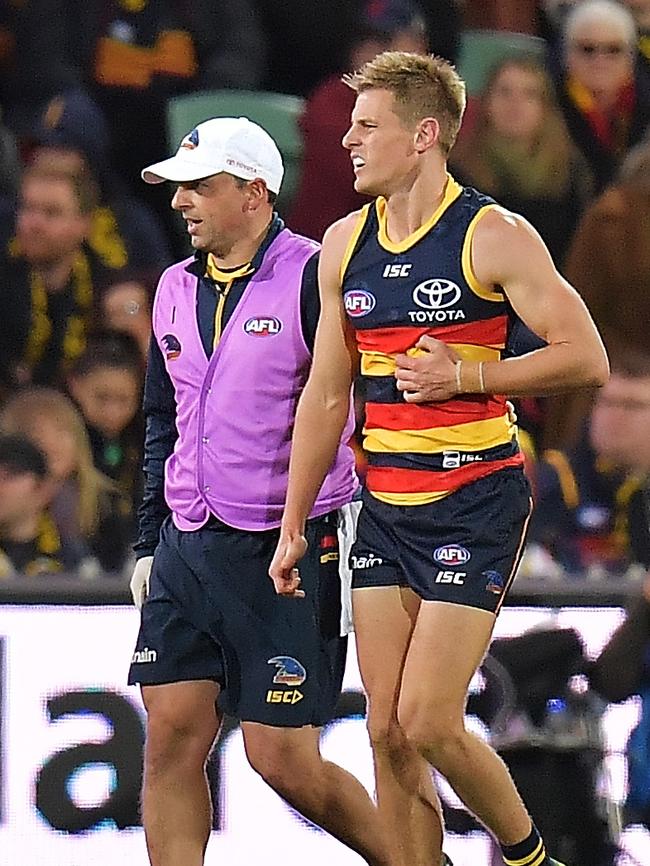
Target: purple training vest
235	410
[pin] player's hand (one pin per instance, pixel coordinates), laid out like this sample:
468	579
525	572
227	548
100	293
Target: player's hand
140	580
283	571
429	376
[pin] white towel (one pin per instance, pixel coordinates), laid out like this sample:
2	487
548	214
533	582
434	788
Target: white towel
347	530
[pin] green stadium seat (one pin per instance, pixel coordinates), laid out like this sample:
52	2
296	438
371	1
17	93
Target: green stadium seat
480	50
277	113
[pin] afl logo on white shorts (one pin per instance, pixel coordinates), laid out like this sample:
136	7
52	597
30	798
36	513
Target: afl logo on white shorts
358	302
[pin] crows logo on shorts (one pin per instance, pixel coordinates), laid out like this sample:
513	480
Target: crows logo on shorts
290	672
494	582
172	346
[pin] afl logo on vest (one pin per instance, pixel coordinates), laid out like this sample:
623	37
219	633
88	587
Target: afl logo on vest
263	327
358	302
435	297
452	554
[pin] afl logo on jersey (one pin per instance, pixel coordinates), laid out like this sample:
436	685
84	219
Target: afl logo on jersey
263	327
436	294
358	302
452	554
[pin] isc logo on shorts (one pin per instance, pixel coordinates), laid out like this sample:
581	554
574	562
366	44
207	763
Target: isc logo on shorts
452	554
259	327
274	696
358	302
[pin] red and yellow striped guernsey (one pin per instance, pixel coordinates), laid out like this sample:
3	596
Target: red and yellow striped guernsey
393	294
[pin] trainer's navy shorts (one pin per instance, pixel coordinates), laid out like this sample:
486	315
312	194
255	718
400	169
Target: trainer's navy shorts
462	549
212	613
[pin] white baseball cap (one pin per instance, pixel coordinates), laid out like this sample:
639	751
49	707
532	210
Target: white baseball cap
235	145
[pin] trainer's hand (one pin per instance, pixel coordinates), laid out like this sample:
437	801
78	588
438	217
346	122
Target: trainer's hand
284	574
429	376
140	580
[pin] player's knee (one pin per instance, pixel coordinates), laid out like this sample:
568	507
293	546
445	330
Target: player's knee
384	732
275	761
438	737
177	736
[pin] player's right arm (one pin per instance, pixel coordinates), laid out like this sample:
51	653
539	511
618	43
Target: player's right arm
322	409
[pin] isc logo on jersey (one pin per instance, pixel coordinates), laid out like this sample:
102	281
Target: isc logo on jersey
452	554
263	327
358	302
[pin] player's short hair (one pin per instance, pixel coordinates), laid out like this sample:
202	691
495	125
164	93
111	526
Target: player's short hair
423	86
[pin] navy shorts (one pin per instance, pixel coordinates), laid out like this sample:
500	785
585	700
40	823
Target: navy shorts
212	613
462	549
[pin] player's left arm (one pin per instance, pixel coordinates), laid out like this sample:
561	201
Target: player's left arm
507	252
508	255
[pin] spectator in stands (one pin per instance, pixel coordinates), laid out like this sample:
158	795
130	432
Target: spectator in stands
34	60
520	152
89	513
9	180
609	260
609	264
72	135
52	280
126	308
29	541
106	383
326	190
134	56
606	105
592	503
641	11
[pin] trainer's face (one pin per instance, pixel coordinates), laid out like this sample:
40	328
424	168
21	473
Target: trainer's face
381	147
215	210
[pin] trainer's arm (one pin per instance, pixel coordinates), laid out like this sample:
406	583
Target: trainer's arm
160	419
322	411
509	255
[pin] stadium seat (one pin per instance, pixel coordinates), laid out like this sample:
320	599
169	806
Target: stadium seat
480	50
278	113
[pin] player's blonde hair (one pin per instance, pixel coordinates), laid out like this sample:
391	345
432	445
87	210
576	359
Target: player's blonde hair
422	85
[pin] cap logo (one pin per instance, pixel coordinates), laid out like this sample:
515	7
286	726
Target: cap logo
191	141
235	163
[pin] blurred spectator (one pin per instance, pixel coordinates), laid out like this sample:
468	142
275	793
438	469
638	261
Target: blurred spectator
106	383
609	264
87	509
29	541
34	61
51	281
126	308
9	180
641	11
518	16
592	504
550	19
606	105
520	152
134	56
621	671
72	135
609	261
326	190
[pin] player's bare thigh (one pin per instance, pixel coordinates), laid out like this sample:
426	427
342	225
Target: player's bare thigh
448	644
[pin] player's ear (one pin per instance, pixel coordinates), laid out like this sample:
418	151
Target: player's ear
427	134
